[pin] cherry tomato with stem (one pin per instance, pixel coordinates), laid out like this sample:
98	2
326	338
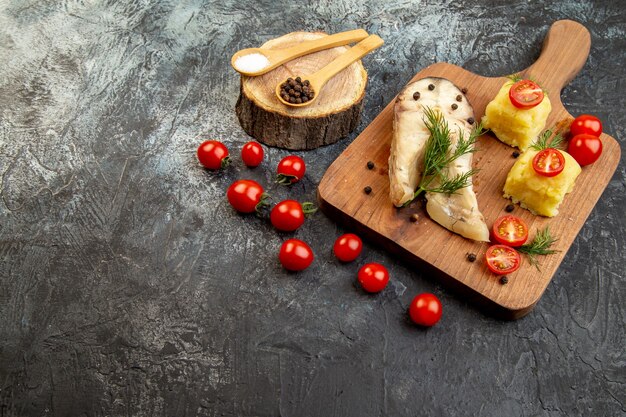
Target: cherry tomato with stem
348	247
586	124
585	149
290	170
213	154
425	309
373	277
246	196
549	162
510	230
525	94
295	255
289	215
502	260
252	154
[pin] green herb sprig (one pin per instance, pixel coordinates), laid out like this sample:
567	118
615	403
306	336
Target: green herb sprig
540	245
438	155
543	141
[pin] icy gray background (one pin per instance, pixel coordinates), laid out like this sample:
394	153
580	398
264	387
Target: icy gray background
129	287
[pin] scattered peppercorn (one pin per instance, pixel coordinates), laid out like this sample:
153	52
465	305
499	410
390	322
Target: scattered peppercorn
454	106
370	165
464	90
471	257
504	280
431	87
367	189
459	98
414	217
515	154
416	95
296	91
509	208
470	120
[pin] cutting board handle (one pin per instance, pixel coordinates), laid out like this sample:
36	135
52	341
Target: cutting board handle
564	53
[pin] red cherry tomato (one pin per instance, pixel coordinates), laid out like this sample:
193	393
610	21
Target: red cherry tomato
549	162
502	259
348	247
510	230
287	215
586	124
252	154
425	309
373	277
213	154
585	149
295	255
290	169
245	195
525	94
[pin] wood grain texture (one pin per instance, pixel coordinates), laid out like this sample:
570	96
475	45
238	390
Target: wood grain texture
564	53
333	115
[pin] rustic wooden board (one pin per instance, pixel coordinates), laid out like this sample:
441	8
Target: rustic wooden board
429	245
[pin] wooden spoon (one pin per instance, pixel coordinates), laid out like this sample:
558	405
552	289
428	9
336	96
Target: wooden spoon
277	57
319	79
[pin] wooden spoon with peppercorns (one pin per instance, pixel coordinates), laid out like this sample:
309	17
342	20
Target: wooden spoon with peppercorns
258	61
302	91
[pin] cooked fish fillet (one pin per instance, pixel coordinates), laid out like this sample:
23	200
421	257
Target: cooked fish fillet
457	212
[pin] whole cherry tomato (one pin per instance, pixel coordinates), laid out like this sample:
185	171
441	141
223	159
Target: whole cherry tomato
213	154
295	255
586	124
245	195
348	247
525	94
288	215
290	169
425	309
252	154
373	277
585	149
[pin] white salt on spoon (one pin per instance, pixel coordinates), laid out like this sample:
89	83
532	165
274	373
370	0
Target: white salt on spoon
253	62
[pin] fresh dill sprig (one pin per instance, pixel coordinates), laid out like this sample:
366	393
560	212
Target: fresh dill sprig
539	246
543	142
438	155
517	77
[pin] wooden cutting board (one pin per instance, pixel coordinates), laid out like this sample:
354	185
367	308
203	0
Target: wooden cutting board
436	250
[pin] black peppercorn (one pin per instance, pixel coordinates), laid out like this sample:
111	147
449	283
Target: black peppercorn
459	98
464	90
370	165
414	217
470	120
296	91
504	280
509	208
298	80
515	154
454	106
416	95
471	257
367	189
431	87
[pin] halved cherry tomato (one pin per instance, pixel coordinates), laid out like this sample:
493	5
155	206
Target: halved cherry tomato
288	215
295	255
348	247
510	230
425	309
252	154
290	169
585	149
586	124
525	94
549	162
373	277
213	154
502	259
245	195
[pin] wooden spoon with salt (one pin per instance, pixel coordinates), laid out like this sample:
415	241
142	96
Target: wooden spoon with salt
317	80
258	61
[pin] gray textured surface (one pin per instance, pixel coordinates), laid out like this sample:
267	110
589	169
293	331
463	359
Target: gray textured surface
129	287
